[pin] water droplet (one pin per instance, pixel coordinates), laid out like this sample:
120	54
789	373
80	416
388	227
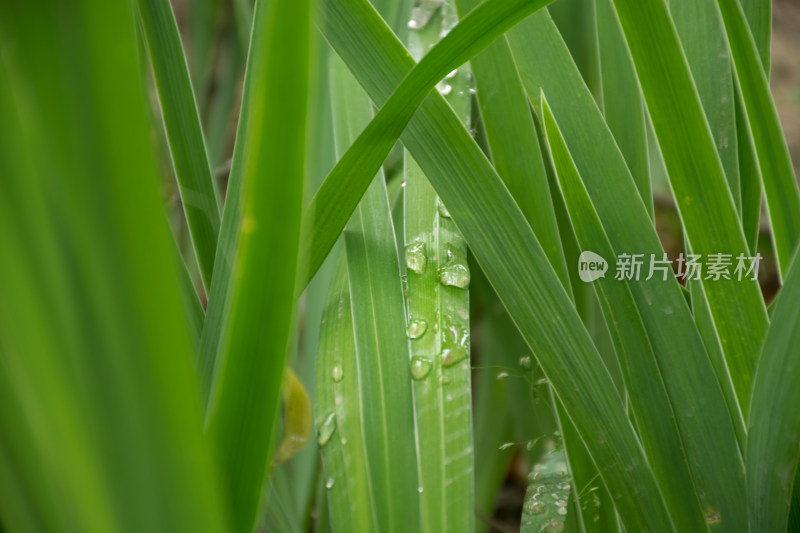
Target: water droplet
502	375
326	429
420	489
564	486
337	373
455	275
525	362
415	256
561	503
455	272
343	441
444	380
533	506
451	74
416	328
420	367
562	510
403	183
329	484
444	88
506	445
455	344
472	90
553	525
423	12
442	209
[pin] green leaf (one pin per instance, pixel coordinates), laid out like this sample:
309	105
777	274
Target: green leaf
703	41
772	153
759	18
184	132
100	424
547	495
672	408
576	21
247	379
696	174
339	415
513	260
508	123
338	195
774	429
379	322
623	107
437	299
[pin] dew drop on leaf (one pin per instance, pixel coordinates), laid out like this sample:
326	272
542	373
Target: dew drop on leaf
416	328
326	429
415	256
420	367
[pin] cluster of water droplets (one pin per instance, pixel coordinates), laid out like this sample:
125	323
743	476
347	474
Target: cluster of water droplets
454	272
547	497
455	343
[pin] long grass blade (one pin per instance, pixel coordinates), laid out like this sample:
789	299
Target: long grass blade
248	375
772	452
658	399
703	41
513	261
184	132
437	300
659	302
759	18
100	427
772	152
379	322
649	398
623	107
506	118
334	202
339	416
696	174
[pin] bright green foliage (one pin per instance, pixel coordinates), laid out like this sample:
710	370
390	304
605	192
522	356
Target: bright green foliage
254	338
100	421
379	325
474	151
182	123
438	278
